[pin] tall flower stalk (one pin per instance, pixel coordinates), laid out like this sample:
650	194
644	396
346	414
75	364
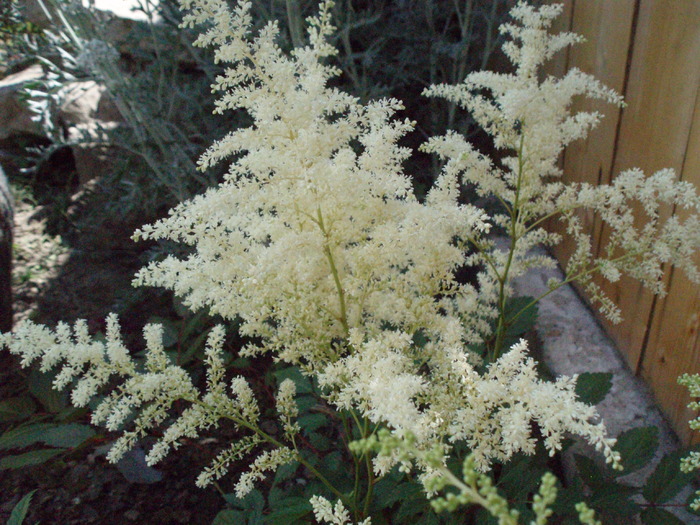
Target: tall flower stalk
317	244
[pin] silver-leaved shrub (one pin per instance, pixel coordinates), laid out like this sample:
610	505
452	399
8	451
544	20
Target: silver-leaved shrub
316	242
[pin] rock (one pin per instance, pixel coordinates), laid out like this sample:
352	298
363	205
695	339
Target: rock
92	154
6	224
79	103
86	114
16	117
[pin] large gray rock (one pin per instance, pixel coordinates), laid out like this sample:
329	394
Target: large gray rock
15	116
6	223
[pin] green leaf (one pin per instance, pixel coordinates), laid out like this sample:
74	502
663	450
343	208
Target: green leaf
254	500
657	516
591	474
592	387
16	408
180	308
312	422
615	500
41	387
290	510
195	325
19	512
171	331
667	479
62	436
300	380
637	447
525	321
319	442
35	457
411	507
428	518
24	436
519	477
68	436
306	403
229	517
381	494
386	497
285	472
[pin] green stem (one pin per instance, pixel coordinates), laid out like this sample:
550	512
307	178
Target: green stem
297	456
336	276
567	280
503	279
370	473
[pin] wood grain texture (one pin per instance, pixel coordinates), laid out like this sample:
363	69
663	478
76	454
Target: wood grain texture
673	346
649	50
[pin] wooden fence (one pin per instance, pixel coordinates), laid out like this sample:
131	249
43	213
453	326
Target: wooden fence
648	50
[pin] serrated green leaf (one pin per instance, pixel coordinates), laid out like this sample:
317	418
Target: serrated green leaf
285	472
667	479
637	447
284	501
410	507
242	362
300	380
381	493
311	422
590	473
319	441
35	457
171	331
519	477
16	408
195	325
428	518
180	308
592	387
567	498
306	403
19	512
615	500
68	436
41	387
405	491
229	517
526	318
254	500
24	436
657	516
333	462
290	510
62	436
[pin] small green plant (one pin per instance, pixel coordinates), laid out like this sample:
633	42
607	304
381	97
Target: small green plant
42	425
392	380
19	512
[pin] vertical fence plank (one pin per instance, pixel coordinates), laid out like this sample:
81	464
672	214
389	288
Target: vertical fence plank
648	49
673	347
654	130
607	27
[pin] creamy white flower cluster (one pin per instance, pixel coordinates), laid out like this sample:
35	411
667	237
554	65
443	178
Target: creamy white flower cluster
532	118
492	412
316	230
326	512
145	394
317	243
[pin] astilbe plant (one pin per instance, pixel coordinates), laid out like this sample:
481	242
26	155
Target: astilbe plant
316	243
